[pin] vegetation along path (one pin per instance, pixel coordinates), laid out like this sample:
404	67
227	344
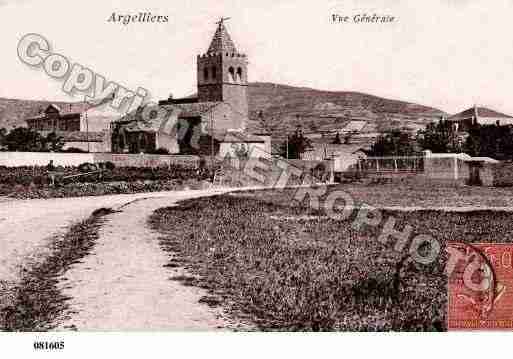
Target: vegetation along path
124	284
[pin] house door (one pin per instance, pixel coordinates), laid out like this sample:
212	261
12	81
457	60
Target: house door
475	174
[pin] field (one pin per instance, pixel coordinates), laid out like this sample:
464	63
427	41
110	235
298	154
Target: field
281	265
420	195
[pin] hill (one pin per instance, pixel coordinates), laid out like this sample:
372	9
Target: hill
280	105
325	110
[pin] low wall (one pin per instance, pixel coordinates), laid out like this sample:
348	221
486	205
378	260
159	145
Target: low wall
450	168
311	164
18	159
503	174
146	160
88	147
267	172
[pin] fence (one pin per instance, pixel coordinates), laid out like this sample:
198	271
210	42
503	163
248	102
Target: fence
391	165
446	167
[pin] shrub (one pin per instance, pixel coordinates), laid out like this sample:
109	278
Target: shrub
160	151
74	150
109	165
87	167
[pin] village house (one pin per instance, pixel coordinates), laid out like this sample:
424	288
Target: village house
475	115
82	126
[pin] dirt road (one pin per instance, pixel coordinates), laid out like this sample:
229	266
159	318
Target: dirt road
26	226
123	284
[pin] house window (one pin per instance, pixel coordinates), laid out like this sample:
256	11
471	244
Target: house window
239	74
205	74
214	73
121	142
231	74
142	142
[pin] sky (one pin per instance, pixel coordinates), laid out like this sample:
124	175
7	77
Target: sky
449	54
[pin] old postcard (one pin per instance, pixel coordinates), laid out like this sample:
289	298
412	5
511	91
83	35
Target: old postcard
243	166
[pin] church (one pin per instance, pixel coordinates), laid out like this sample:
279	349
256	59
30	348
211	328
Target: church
216	116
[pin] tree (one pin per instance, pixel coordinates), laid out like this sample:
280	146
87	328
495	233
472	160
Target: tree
53	143
24	139
3	133
439	137
29	140
270	124
393	143
297	145
490	141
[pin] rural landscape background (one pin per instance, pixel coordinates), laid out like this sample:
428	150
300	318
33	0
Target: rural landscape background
282	103
316	185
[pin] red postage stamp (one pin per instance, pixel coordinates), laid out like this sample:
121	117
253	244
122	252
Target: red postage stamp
480	284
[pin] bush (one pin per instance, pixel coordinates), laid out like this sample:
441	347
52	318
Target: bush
109	165
39	175
74	150
87	167
160	151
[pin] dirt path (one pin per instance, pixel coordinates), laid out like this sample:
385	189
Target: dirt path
26	226
123	284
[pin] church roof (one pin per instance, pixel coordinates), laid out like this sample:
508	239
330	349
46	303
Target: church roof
236	136
133	121
221	41
194	109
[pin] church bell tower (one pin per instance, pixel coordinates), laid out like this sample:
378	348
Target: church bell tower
222	74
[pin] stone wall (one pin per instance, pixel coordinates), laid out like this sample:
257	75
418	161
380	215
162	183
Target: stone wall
446	168
92	147
146	160
269	172
503	174
17	159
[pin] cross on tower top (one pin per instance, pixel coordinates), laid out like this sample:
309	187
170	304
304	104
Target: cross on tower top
221	42
222	20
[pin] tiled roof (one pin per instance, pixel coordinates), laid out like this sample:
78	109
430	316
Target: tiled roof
77	107
221	41
482	112
196	109
136	123
486	112
133	121
64	110
38	117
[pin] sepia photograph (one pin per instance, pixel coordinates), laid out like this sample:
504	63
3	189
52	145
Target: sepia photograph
188	168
